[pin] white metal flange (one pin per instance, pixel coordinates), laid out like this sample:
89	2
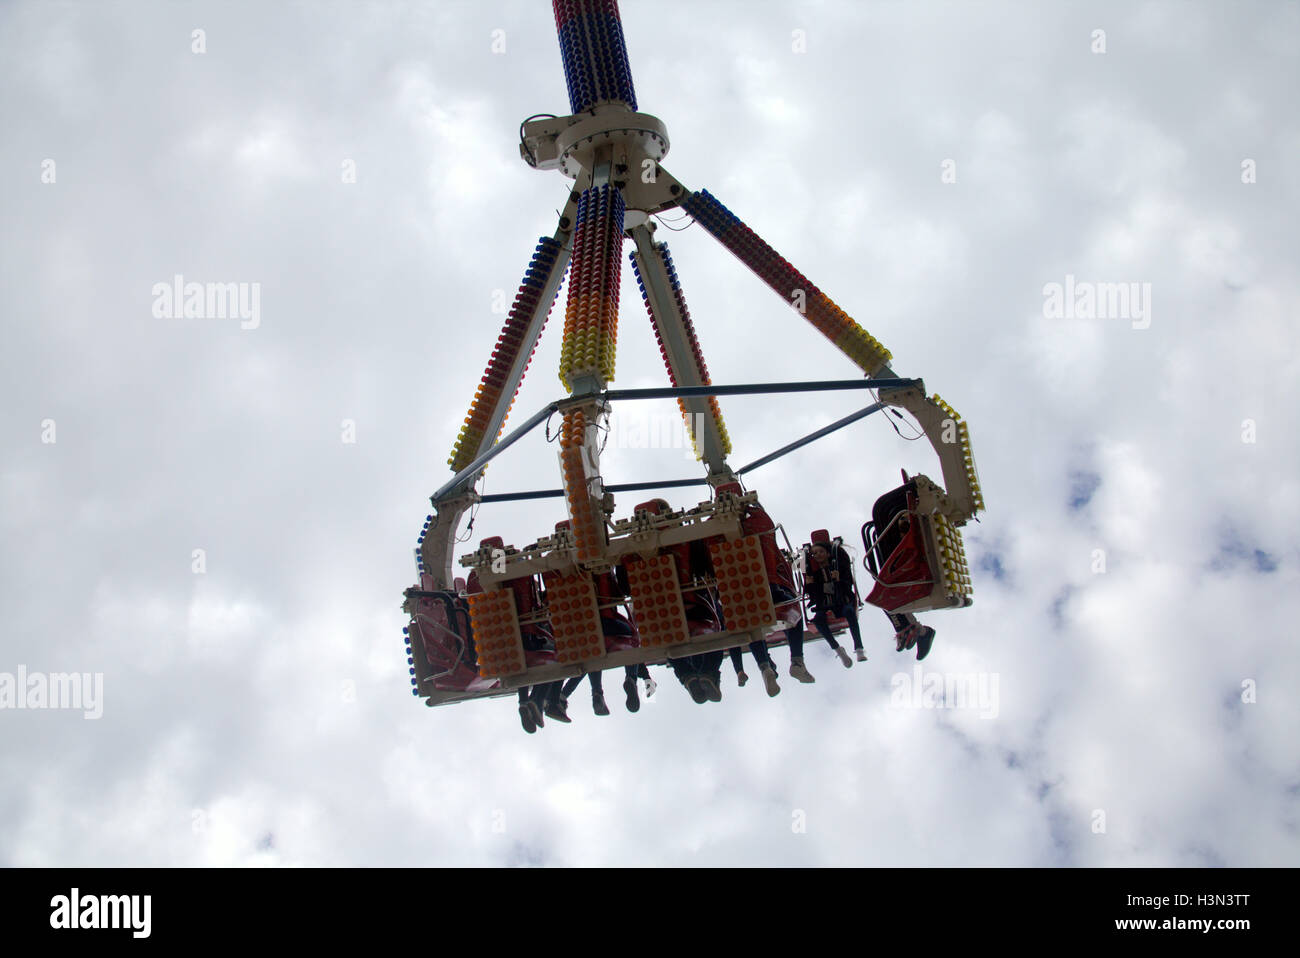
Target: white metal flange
645	131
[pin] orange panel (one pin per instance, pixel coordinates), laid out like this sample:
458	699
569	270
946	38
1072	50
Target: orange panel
496	633
742	583
575	617
657	601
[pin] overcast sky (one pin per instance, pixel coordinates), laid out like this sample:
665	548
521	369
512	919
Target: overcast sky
1135	574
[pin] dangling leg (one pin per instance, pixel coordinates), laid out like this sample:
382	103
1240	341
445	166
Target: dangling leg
687	671
765	666
794	635
530	715
738	663
849	613
570	685
629	686
820	620
552	696
650	684
909	632
598	694
904	629
710	674
793	617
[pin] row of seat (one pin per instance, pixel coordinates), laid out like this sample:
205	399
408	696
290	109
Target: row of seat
525	635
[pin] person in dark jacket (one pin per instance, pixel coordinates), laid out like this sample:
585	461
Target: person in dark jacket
828	583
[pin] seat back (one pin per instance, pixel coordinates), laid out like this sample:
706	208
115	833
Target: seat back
442	623
895	544
888	507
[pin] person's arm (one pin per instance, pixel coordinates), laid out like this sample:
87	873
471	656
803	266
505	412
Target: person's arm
846	568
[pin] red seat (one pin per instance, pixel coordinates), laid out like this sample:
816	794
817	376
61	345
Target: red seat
533	657
619	630
701	612
896	550
442	624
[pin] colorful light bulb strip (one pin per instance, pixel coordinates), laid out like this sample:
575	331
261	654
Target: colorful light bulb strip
588	526
967	454
742	583
952	557
591	315
657	600
818	308
594	53
488	396
575	617
697	355
495	623
410	656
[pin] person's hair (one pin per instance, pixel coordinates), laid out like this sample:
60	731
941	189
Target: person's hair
823	543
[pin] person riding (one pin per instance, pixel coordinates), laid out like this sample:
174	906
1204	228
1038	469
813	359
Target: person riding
828	583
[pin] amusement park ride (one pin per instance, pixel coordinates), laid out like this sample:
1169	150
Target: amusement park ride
661	584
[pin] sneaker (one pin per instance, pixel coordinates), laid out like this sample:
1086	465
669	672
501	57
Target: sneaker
844	657
741	679
526	717
695	686
557	711
798	671
598	703
769	679
923	642
629	686
650	686
862	654
711	690
535	713
900	640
